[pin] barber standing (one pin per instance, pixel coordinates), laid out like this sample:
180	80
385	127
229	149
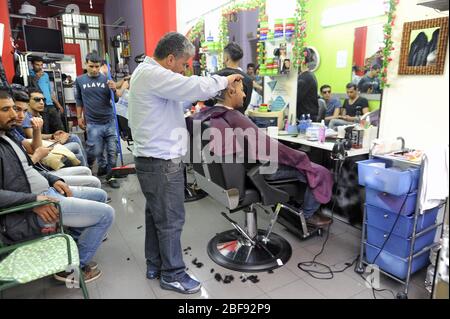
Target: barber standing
158	90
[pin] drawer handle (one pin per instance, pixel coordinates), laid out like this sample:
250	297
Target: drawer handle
386	216
385	236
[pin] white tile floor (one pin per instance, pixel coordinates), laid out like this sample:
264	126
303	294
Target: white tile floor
122	261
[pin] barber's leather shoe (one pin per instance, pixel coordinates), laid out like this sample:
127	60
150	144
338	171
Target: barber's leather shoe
318	220
153	274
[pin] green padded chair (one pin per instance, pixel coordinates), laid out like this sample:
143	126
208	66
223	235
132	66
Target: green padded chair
38	258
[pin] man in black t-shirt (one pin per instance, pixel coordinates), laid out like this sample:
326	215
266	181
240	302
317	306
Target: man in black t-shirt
232	57
354	107
307	91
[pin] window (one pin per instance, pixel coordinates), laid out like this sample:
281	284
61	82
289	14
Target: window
89	41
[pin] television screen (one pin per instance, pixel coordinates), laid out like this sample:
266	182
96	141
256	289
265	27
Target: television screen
46	40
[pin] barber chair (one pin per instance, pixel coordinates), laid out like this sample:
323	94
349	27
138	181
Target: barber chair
241	187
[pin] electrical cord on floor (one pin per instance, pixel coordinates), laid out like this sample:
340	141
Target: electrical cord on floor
303	266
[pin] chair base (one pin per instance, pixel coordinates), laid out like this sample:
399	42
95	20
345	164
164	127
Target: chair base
232	251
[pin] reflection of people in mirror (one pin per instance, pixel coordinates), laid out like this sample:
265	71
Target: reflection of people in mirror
423	52
286	67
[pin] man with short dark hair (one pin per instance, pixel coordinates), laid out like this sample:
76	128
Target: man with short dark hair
51	115
71	141
307	87
251	70
333	104
354	107
232	56
21	183
156	102
94	106
74	176
373	78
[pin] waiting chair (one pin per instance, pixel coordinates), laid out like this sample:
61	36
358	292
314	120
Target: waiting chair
241	187
31	260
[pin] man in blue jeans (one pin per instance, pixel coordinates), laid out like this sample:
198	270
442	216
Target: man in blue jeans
35	109
83	208
155	102
96	115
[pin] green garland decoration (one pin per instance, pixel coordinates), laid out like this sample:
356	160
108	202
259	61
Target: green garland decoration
198	32
388	42
228	13
300	33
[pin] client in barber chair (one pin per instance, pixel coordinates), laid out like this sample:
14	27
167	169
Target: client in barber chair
292	164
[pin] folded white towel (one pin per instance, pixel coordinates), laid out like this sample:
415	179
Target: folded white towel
435	177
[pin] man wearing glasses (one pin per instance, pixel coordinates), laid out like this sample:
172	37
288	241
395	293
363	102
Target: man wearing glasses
51	114
70	141
333	104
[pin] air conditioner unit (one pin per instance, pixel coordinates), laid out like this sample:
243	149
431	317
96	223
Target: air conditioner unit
441	5
27	9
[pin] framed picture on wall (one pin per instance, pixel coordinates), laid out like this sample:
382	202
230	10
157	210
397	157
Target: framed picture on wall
424	47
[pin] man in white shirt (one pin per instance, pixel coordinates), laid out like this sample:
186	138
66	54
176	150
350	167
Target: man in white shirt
156	102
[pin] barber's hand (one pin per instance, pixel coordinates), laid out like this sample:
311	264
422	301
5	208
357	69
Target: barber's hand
41	153
234	78
63	189
48	213
126	85
61	137
81	124
112	85
37	123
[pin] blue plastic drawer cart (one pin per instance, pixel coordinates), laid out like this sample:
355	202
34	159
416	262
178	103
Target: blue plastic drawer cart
396	236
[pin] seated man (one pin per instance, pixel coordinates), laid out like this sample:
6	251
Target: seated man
83	208
292	163
74	176
71	141
373	78
354	107
333	109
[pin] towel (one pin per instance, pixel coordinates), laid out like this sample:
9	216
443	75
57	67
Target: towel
435	177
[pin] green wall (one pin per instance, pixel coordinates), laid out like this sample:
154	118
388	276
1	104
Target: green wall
328	41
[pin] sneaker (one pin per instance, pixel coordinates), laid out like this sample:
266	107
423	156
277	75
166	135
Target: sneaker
113	183
89	275
185	285
108	200
153	274
105	238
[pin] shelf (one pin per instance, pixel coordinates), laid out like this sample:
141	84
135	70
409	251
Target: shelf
279	40
398	159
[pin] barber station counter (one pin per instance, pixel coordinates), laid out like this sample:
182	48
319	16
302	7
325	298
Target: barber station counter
327	146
